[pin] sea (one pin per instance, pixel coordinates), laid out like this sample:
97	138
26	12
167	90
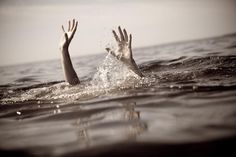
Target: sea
185	105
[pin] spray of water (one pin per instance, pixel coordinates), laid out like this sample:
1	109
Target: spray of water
111	75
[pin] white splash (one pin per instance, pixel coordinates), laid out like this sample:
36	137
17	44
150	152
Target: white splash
112	74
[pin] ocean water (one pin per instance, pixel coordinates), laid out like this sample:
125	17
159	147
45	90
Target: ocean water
185	105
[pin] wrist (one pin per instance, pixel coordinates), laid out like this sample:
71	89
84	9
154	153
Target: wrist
63	48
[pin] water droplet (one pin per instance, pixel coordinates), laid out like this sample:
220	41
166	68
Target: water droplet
195	87
57	106
51	102
38	102
18	112
10	91
152	89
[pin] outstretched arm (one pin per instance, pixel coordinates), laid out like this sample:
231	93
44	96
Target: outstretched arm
69	72
124	50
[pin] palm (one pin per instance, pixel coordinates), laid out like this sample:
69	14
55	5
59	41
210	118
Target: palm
123	49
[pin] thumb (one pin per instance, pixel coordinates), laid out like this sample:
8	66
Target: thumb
108	49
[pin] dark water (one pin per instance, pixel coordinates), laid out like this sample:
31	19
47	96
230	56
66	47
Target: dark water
185	105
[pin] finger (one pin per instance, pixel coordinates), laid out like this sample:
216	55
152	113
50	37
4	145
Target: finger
121	34
66	36
73	24
63	28
126	35
116	36
76	24
130	41
69	26
75	27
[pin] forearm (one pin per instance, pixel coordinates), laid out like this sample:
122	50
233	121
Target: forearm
134	67
69	72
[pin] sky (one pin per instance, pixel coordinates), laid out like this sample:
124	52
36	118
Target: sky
31	29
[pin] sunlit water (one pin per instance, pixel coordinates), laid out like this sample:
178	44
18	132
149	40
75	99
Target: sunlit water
186	100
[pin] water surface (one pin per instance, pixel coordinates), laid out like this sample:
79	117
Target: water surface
184	105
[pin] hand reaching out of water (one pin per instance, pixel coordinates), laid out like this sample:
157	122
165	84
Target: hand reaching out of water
124	50
69	72
68	35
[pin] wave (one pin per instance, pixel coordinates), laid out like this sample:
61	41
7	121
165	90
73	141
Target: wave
112	76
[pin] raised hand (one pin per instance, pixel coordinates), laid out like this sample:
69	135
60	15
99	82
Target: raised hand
124	50
68	35
69	72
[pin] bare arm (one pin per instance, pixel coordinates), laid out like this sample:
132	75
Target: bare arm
69	72
124	50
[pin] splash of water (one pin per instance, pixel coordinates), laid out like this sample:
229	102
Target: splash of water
112	74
